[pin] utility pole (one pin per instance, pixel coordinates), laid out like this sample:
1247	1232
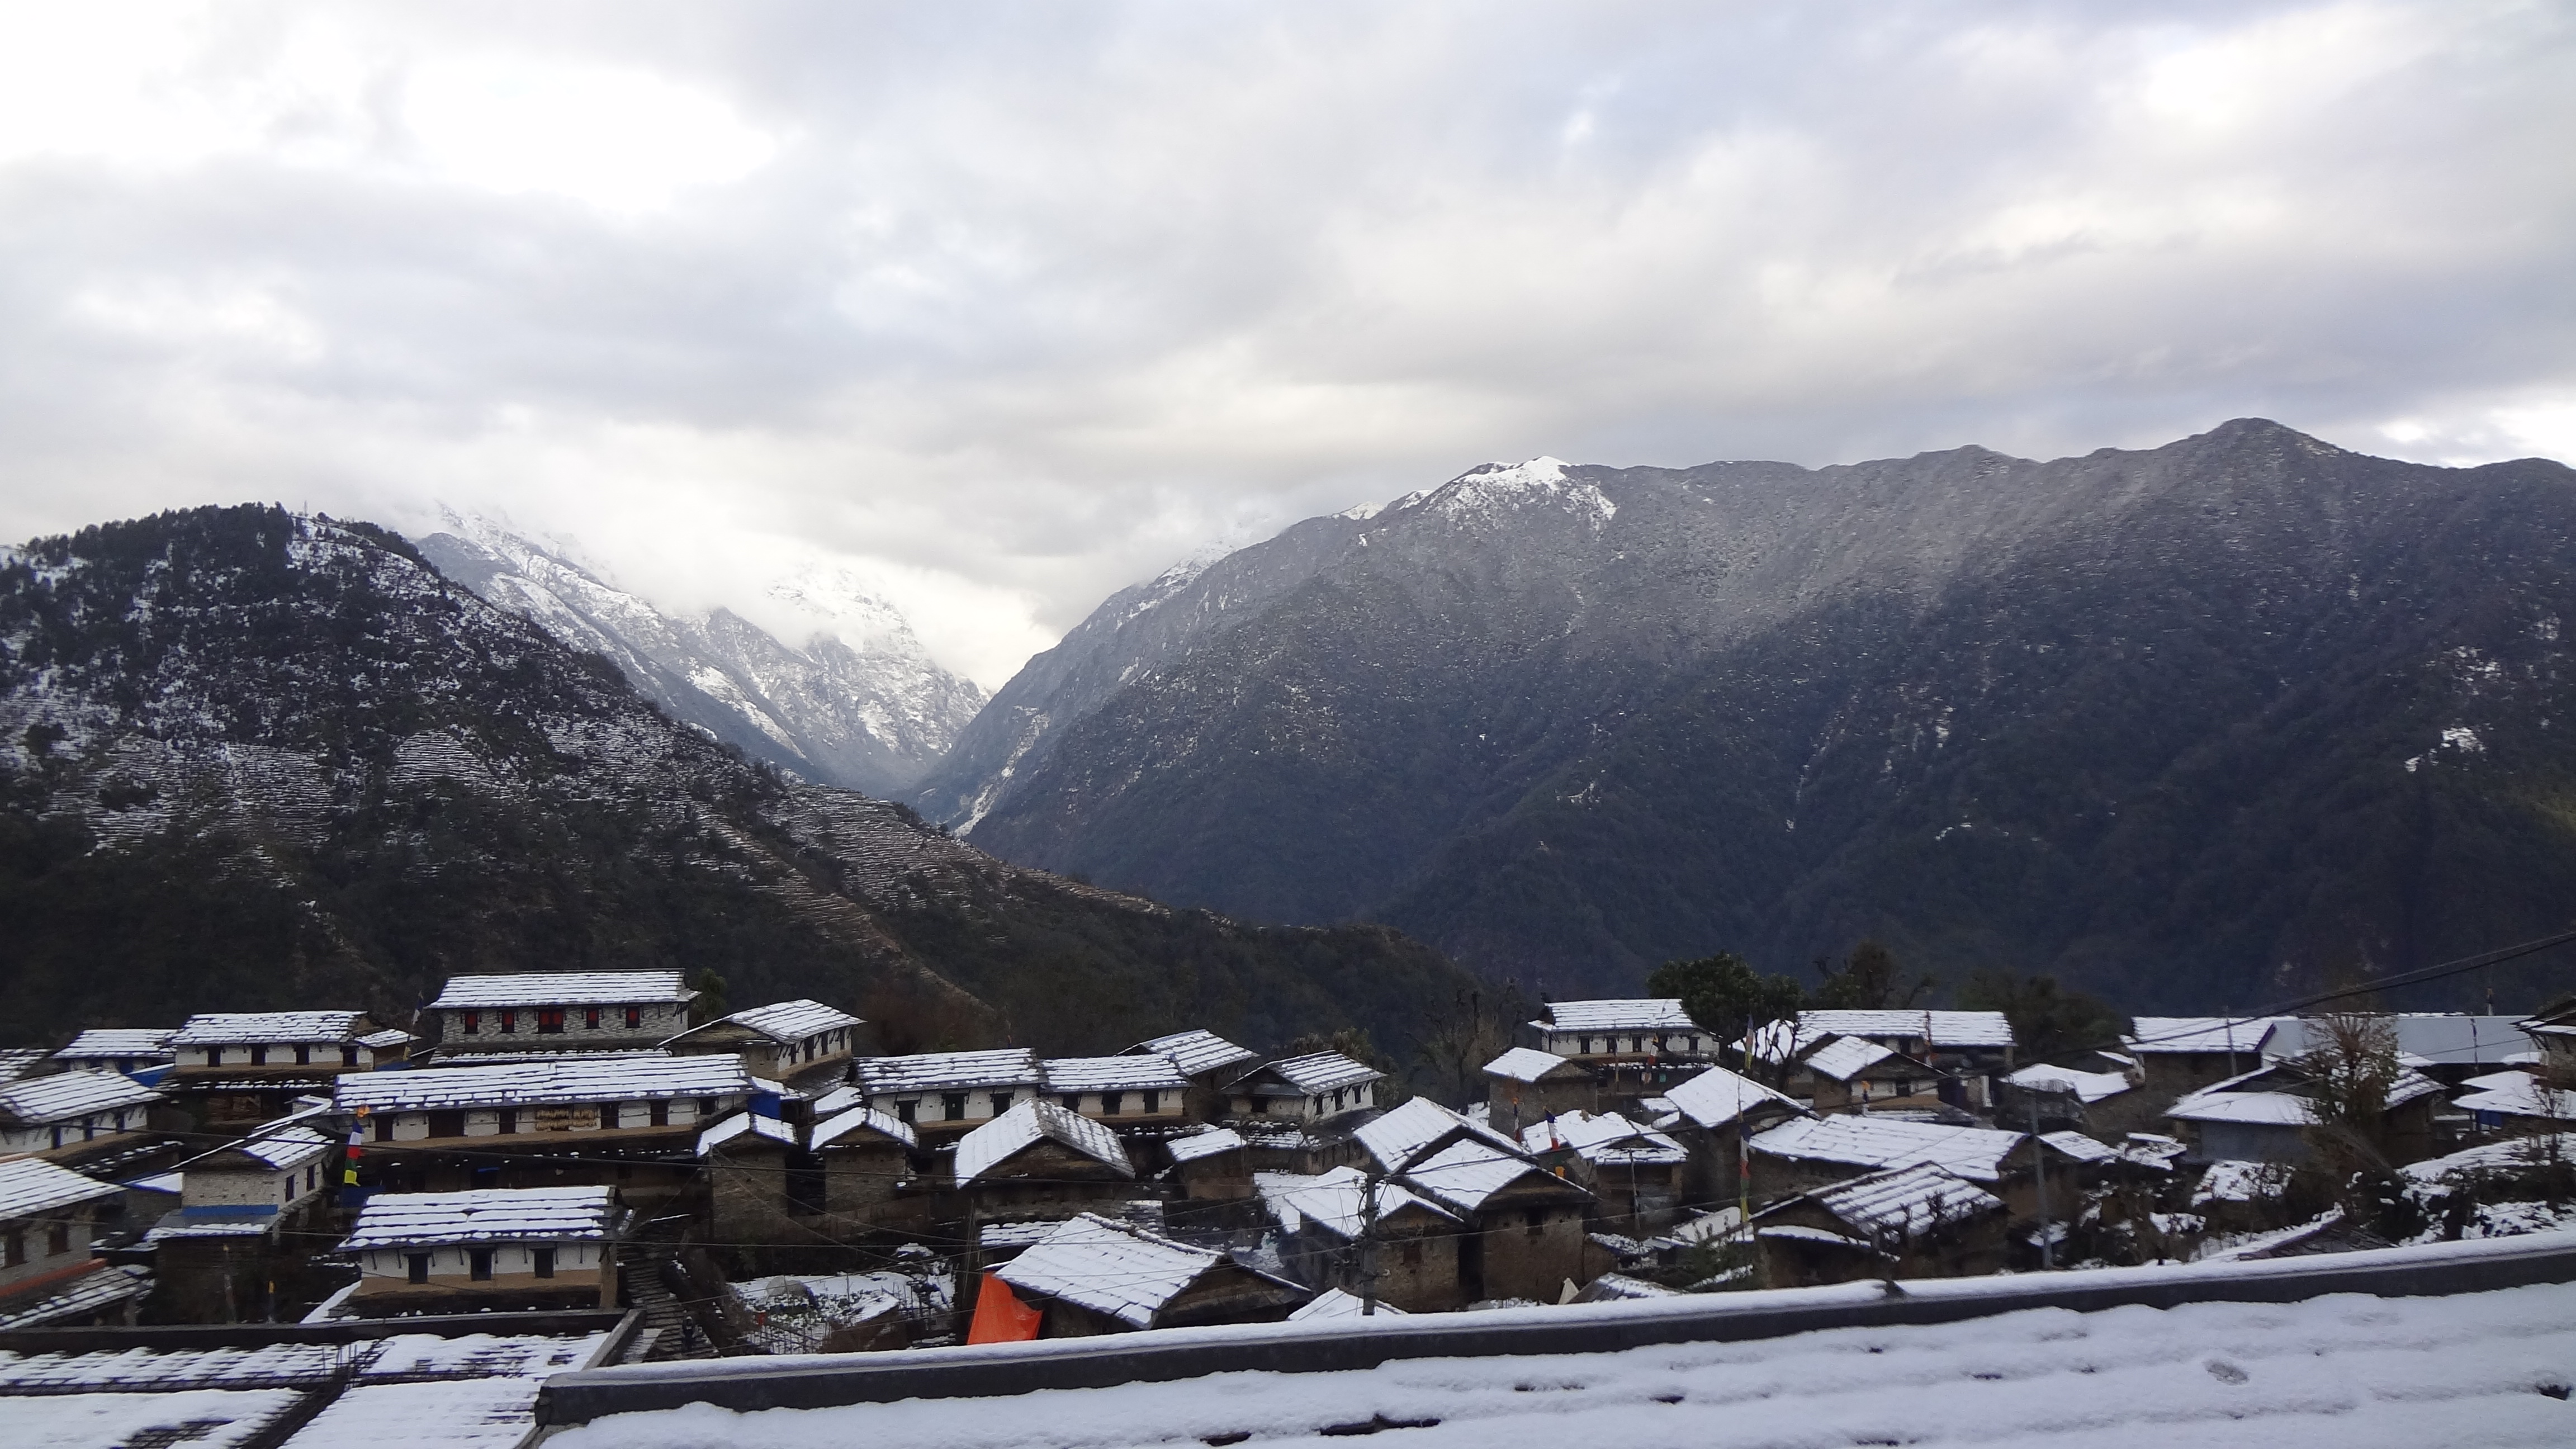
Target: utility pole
1368	1244
2039	1174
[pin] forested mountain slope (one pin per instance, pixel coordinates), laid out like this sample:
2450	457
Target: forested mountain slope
250	759
2188	726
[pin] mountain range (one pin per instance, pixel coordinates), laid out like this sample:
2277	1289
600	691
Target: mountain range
859	704
251	759
2192	726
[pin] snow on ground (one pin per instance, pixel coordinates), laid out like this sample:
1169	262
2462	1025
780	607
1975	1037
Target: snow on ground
2344	1372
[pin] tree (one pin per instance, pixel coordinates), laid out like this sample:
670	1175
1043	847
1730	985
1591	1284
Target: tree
1869	980
1456	1039
710	1002
2047	1019
2351	1072
1726	998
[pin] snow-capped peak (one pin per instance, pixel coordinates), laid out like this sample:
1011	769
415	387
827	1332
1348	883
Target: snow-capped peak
1498	488
845	606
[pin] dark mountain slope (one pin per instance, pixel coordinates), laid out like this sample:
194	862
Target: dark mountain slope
2141	719
249	759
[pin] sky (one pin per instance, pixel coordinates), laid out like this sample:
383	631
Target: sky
1006	306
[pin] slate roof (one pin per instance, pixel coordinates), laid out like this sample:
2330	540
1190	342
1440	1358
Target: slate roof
1845	1057
1400	1134
2081	1147
745	1124
841	1124
1139	1072
252	1028
31	1185
278	1145
483	1215
16	1062
1630	1014
1466	1173
1527	1064
1323	1072
1198	1052
2152	1035
198	1418
1954	1029
1906	1203
566	1080
1029	1123
1332	1200
2086	1087
65	1096
790	1021
1110	1268
392	1036
1713	1097
1204	1144
561	988
111	1042
1606	1140
1974	1153
1334	1303
949	1071
2430	1038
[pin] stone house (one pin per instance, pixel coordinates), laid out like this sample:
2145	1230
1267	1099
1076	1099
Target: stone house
1966	1050
1525	1225
1094	1276
1634	1047
1212	1166
1038	1160
1909	1222
128	1050
944	1095
1636	1175
795	1042
48	1217
2264	1116
241	1068
1311	1089
1526	1085
1138	1090
1712	1112
1208	1060
493	1249
1323	1218
557	1011
250	1217
1854	1074
75	1116
628	1122
869	1161
2180	1054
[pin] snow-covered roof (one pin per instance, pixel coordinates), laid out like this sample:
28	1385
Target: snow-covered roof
1715	1096
1467	1172
31	1185
2507	1155
2430	1038
1323	1072
1198	1052
1110	1268
2260	1109
483	1215
1525	1064
949	1071
68	1095
745	1124
476	1413
16	1062
1907	1202
1332	1200
1029	1123
278	1146
1975	1153
2516	1094
79	1298
1403	1132
252	1028
2081	1147
561	988
1845	1057
1637	1013
831	1129
1958	1029
838	1100
392	1036
2087	1087
108	1043
1334	1303
786	1021
1142	1072
1606	1139
198	1418
481	1355
569	1079
1204	1144
2235	1180
2200	1034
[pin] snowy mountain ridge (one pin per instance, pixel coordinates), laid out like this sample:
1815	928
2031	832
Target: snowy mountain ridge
859	704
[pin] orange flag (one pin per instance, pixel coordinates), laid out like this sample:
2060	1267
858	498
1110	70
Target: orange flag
1000	1317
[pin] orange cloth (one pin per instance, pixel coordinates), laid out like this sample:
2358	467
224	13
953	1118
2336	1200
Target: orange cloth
1000	1317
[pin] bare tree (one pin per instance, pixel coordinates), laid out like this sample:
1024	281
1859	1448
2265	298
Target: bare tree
2351	1073
1458	1037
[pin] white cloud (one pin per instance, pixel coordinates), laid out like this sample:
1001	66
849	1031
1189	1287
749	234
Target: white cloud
1007	306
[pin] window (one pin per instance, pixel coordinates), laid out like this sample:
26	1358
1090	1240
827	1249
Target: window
473	1022
385	1127
348	1056
58	1238
419	1265
310	1177
550	1021
506	1121
706	1108
1112	1103
1072	1101
905	1108
1413	1255
954	1104
659	1112
607	1116
1534	1218
15	1252
542	1260
286	1190
1319	1104
634	1017
509	1023
303	1055
259	1055
590	1017
809	1048
479	1264
447	1124
1153	1103
1001	1103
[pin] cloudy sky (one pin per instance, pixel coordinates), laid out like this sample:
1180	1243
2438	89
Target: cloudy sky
1007	306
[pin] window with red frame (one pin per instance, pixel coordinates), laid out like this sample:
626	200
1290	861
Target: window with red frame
634	1017
590	1018
473	1022
550	1020
509	1023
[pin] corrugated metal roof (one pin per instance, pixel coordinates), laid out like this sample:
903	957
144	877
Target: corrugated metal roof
1033	1121
69	1095
1198	1052
484	1215
949	1071
2197	1034
30	1185
568	1080
1138	1073
251	1028
561	988
1110	1268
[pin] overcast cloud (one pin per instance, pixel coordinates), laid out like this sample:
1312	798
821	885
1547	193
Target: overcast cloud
1007	306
